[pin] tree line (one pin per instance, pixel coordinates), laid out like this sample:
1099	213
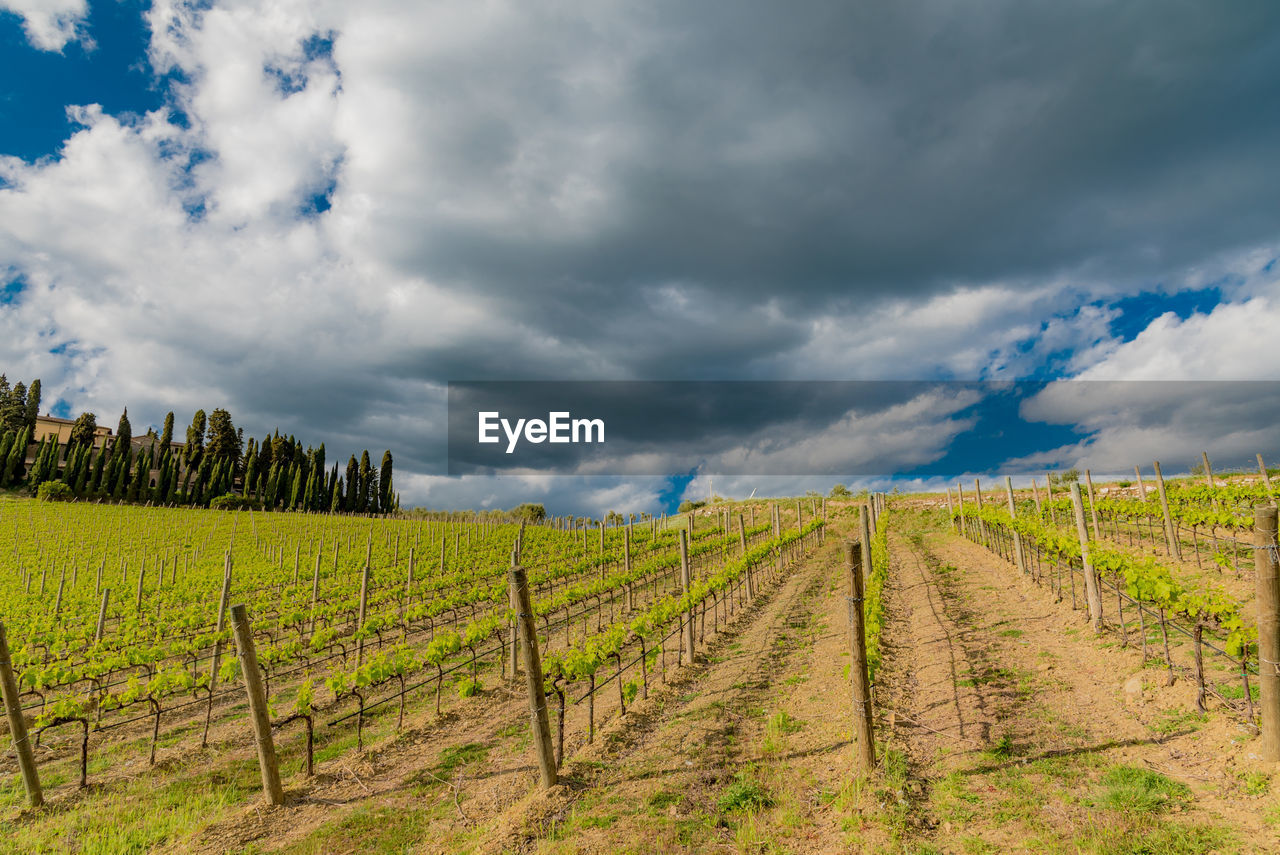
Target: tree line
214	467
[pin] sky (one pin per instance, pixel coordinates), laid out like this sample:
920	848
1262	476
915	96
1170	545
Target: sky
317	214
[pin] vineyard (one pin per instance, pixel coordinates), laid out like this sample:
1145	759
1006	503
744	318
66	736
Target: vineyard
239	681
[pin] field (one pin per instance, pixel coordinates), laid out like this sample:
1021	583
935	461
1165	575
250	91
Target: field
1003	722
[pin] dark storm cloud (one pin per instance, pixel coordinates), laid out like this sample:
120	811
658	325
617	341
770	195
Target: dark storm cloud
822	153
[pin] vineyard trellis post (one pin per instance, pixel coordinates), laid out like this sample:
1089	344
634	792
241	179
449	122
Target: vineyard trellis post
1017	536
1092	593
102	617
864	520
1170	532
364	606
1142	490
258	712
1266	479
686	583
519	589
864	753
1093	505
1208	470
221	623
1267	572
18	725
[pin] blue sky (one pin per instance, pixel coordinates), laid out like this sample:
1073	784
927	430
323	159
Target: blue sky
317	214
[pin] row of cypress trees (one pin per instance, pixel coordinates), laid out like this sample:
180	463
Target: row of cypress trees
276	473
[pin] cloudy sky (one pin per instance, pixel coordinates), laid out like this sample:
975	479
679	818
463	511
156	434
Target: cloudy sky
316	214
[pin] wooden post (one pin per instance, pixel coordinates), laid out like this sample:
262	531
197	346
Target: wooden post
518	584
1092	593
1170	533
1035	492
142	574
258	713
686	583
1142	490
18	725
626	567
315	590
865	522
864	749
1267	575
1266	479
220	624
1208	471
960	498
102	617
364	605
1093	507
1017	536
62	584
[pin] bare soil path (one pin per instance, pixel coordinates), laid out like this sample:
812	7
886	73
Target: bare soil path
1018	734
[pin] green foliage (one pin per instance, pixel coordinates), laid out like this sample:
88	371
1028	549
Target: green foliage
744	794
1136	790
530	512
231	502
54	491
840	491
83	430
687	506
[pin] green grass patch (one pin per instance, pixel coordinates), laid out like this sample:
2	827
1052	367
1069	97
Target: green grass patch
744	794
1134	790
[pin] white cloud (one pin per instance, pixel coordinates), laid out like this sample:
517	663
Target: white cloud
50	24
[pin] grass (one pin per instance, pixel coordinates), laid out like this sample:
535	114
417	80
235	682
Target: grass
1171	721
383	828
744	794
1134	790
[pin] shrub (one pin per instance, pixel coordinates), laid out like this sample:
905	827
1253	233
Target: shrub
54	491
231	502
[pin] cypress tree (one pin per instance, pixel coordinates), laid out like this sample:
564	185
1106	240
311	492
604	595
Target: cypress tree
13	466
37	466
166	435
269	493
384	484
296	491
33	404
13	408
69	469
352	486
250	470
122	476
368	486
335	502
193	451
82	479
6	442
124	432
139	478
99	461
